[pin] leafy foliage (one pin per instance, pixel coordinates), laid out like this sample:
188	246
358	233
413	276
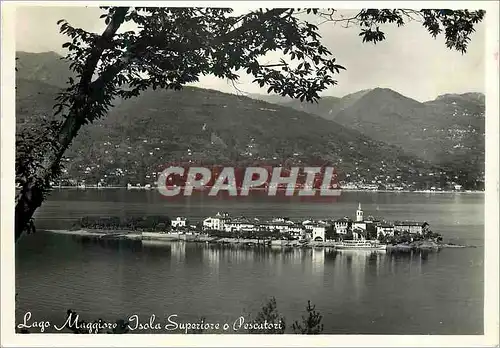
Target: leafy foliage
406	237
174	46
31	143
311	324
270	315
148	223
457	25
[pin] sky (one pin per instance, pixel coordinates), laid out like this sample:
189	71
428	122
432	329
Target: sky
410	61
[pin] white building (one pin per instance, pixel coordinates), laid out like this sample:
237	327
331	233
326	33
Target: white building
217	222
281	224
385	230
310	224
359	213
296	230
412	227
318	232
239	224
359	223
342	225
179	222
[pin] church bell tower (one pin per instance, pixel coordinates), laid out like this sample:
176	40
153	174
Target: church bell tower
359	213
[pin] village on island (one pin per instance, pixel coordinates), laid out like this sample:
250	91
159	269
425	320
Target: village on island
342	233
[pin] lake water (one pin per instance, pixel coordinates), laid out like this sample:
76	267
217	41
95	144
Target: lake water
356	292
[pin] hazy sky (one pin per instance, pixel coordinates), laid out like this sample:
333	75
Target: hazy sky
410	61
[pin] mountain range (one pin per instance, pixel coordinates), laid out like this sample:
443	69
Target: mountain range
448	131
365	134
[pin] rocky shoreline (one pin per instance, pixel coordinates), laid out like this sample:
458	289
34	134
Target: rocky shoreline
149	237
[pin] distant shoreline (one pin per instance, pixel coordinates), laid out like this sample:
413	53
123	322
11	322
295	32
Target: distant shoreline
345	190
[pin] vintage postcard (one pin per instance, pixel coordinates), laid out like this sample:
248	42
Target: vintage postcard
250	174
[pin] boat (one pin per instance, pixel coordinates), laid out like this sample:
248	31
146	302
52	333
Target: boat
361	245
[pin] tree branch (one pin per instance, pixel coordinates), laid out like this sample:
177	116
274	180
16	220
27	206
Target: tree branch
96	52
113	70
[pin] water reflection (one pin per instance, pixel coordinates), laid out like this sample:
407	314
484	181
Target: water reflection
214	253
318	262
178	251
313	260
212	258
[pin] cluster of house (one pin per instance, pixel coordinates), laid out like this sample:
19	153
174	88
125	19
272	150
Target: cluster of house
314	230
223	222
360	226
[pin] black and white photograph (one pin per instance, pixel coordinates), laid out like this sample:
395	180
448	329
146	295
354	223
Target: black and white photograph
214	171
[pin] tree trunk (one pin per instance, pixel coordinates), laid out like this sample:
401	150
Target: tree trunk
32	193
30	199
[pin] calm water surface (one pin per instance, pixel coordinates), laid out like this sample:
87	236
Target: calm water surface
356	292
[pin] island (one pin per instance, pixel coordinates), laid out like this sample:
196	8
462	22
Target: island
222	228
